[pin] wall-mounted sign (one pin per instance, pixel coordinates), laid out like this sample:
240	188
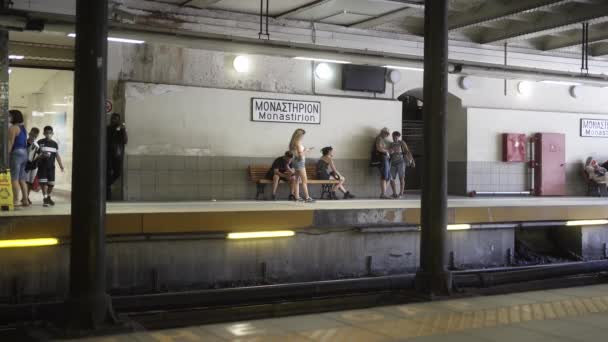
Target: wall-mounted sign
594	128
288	111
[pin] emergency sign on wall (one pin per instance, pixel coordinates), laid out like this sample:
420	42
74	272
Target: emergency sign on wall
594	128
288	111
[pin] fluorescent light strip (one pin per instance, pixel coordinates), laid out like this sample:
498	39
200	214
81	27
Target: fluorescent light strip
117	40
561	82
459	226
28	243
260	235
16	57
403	68
586	222
322	60
61	104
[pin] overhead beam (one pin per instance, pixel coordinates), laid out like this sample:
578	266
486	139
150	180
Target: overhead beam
42	51
498	9
553	21
599	49
302	8
597	33
385	18
200	3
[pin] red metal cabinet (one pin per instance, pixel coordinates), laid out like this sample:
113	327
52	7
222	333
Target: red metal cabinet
550	164
513	147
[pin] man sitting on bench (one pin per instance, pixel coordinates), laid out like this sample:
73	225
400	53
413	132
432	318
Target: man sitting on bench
281	170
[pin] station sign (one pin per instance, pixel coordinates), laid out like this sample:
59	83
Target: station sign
286	111
594	128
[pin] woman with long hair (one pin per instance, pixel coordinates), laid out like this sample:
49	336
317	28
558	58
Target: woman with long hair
299	163
17	147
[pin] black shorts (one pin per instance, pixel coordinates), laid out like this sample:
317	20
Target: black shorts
46	174
323	176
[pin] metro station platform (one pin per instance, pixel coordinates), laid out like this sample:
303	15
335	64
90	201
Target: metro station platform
127	218
570	314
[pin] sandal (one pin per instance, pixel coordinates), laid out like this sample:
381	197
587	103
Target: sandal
310	200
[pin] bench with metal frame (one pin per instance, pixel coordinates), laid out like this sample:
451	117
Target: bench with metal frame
257	175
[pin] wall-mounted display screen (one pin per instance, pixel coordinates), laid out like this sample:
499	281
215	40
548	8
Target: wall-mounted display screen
363	78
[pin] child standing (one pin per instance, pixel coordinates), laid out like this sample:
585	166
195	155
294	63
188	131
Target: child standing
49	152
31	169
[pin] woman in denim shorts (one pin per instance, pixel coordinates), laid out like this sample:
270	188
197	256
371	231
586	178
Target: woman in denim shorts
17	146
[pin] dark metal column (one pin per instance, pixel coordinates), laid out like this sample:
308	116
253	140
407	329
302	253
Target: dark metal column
4	66
432	277
88	304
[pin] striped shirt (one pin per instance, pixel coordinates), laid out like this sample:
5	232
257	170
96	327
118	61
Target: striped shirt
48	151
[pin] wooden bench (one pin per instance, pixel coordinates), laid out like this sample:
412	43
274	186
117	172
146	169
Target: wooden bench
257	174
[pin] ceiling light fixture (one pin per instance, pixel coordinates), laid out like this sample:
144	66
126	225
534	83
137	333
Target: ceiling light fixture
16	57
28	242
586	222
561	82
459	226
524	88
241	64
403	68
117	40
324	71
259	235
322	60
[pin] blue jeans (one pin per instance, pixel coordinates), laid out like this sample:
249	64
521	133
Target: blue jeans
18	163
385	168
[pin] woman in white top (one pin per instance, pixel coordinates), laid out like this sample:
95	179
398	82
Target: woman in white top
299	163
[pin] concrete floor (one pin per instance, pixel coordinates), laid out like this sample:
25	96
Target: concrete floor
413	201
574	314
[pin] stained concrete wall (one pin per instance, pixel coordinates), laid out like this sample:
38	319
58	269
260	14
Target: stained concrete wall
326	254
489	173
288	78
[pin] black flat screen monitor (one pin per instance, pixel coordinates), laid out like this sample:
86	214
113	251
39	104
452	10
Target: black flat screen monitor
363	78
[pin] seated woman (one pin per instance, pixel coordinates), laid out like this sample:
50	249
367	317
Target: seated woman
595	172
327	170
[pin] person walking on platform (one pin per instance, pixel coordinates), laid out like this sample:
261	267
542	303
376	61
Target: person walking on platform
17	147
299	163
31	169
116	140
48	154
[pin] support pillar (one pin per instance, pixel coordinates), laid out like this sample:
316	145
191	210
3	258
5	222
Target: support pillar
4	119
432	278
89	307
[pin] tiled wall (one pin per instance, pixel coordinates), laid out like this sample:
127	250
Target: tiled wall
500	176
182	178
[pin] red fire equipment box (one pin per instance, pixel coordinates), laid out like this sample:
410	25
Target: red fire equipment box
513	147
550	164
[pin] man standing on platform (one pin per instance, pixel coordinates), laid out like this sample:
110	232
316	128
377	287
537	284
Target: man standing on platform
116	139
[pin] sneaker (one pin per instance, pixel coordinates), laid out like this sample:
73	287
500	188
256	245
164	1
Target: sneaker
45	202
395	196
383	196
292	198
310	200
50	201
299	199
348	195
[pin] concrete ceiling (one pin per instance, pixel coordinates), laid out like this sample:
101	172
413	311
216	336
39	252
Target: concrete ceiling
547	26
540	24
